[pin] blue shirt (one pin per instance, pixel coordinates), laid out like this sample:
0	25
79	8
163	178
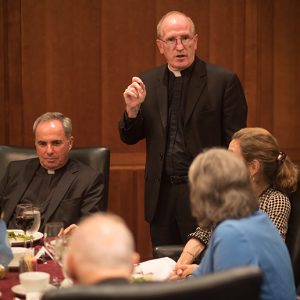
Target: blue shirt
5	250
251	241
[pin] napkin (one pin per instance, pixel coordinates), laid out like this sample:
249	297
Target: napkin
67	282
160	268
42	252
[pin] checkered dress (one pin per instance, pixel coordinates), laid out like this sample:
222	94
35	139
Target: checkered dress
274	203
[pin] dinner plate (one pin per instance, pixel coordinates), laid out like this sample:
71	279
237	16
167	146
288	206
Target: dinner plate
19	289
36	236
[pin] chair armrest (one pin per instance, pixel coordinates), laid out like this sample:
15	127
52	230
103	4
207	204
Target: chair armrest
172	251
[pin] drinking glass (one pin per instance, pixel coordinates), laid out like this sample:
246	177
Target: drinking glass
61	244
36	222
35	225
24	219
52	235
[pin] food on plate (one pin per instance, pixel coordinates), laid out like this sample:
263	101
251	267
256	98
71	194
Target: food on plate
18	237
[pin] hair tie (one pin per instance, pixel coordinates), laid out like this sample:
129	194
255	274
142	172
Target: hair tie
281	157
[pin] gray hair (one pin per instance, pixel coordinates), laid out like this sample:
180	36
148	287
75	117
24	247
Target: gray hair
220	188
102	242
174	12
65	121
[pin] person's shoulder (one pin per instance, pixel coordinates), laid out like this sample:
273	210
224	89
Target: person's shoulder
232	230
275	192
81	165
213	69
232	225
275	195
228	233
228	226
23	162
75	164
154	72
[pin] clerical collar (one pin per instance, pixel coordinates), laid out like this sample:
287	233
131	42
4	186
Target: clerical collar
182	72
53	172
175	72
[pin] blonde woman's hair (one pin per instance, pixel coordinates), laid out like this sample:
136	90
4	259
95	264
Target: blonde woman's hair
277	168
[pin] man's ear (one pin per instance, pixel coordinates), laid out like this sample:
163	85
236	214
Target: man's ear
195	41
135	258
71	141
160	47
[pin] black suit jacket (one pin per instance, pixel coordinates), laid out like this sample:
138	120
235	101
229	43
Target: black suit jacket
216	108
78	193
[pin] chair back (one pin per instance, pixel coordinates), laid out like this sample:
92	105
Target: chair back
97	158
293	234
235	284
11	153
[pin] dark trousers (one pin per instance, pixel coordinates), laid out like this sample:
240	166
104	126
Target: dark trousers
173	220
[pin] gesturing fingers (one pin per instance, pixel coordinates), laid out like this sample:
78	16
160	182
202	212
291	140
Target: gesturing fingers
135	92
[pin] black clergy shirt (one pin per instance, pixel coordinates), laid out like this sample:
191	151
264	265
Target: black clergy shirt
40	190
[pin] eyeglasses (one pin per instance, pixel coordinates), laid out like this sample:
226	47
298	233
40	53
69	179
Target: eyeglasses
173	41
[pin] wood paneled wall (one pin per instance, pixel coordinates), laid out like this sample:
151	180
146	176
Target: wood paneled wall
77	57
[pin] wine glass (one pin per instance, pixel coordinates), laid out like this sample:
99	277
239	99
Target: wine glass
24	219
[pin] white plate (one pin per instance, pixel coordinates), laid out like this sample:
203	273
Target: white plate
36	236
19	289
